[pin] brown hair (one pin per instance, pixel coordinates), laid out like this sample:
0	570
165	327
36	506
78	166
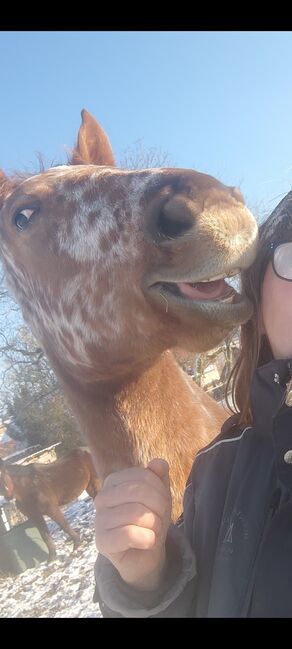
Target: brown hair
255	349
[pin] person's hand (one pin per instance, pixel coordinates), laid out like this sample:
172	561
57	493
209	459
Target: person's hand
133	512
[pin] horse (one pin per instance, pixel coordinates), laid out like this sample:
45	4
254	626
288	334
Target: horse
41	489
113	270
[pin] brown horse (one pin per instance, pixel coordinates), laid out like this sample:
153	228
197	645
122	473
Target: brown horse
40	489
113	269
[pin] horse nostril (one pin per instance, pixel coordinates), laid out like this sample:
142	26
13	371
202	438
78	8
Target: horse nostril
170	227
175	218
170	217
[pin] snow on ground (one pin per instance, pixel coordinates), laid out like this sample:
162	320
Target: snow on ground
62	588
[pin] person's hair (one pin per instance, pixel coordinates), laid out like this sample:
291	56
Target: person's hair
255	349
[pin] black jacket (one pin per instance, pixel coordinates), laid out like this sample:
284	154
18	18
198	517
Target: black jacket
237	522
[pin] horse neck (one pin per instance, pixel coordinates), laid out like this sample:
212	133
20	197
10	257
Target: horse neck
155	413
168	415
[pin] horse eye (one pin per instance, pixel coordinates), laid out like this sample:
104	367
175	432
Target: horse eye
22	219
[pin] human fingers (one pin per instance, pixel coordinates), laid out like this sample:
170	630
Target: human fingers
121	539
129	514
133	492
160	468
143	474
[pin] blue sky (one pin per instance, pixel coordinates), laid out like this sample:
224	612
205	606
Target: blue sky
216	101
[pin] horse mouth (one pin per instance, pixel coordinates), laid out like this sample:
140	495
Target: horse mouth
214	289
213	298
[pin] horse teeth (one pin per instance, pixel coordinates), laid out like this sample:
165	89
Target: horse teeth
212	279
217	277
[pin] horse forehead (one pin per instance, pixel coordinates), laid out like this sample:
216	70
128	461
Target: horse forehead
81	180
64	177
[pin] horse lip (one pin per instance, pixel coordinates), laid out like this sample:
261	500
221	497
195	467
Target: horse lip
161	287
191	280
228	312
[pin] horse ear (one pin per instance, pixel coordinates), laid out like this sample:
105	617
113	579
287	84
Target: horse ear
93	145
5	186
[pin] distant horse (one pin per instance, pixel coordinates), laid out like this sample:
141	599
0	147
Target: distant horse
40	489
113	269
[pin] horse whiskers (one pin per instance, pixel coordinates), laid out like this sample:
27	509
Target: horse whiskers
165	301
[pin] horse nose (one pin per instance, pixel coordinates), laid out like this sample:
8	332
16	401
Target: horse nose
171	220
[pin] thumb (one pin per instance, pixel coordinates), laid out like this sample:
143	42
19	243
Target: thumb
161	469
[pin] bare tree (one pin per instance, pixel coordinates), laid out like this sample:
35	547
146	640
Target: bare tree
29	390
138	157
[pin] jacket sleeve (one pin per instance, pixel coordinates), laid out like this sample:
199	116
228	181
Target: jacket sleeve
176	595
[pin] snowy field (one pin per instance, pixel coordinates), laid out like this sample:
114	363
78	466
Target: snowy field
62	588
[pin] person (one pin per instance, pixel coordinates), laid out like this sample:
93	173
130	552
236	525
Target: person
230	553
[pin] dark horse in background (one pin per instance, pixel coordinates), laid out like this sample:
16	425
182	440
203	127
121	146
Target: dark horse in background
41	489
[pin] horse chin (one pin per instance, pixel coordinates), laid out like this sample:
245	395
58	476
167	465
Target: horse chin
226	313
